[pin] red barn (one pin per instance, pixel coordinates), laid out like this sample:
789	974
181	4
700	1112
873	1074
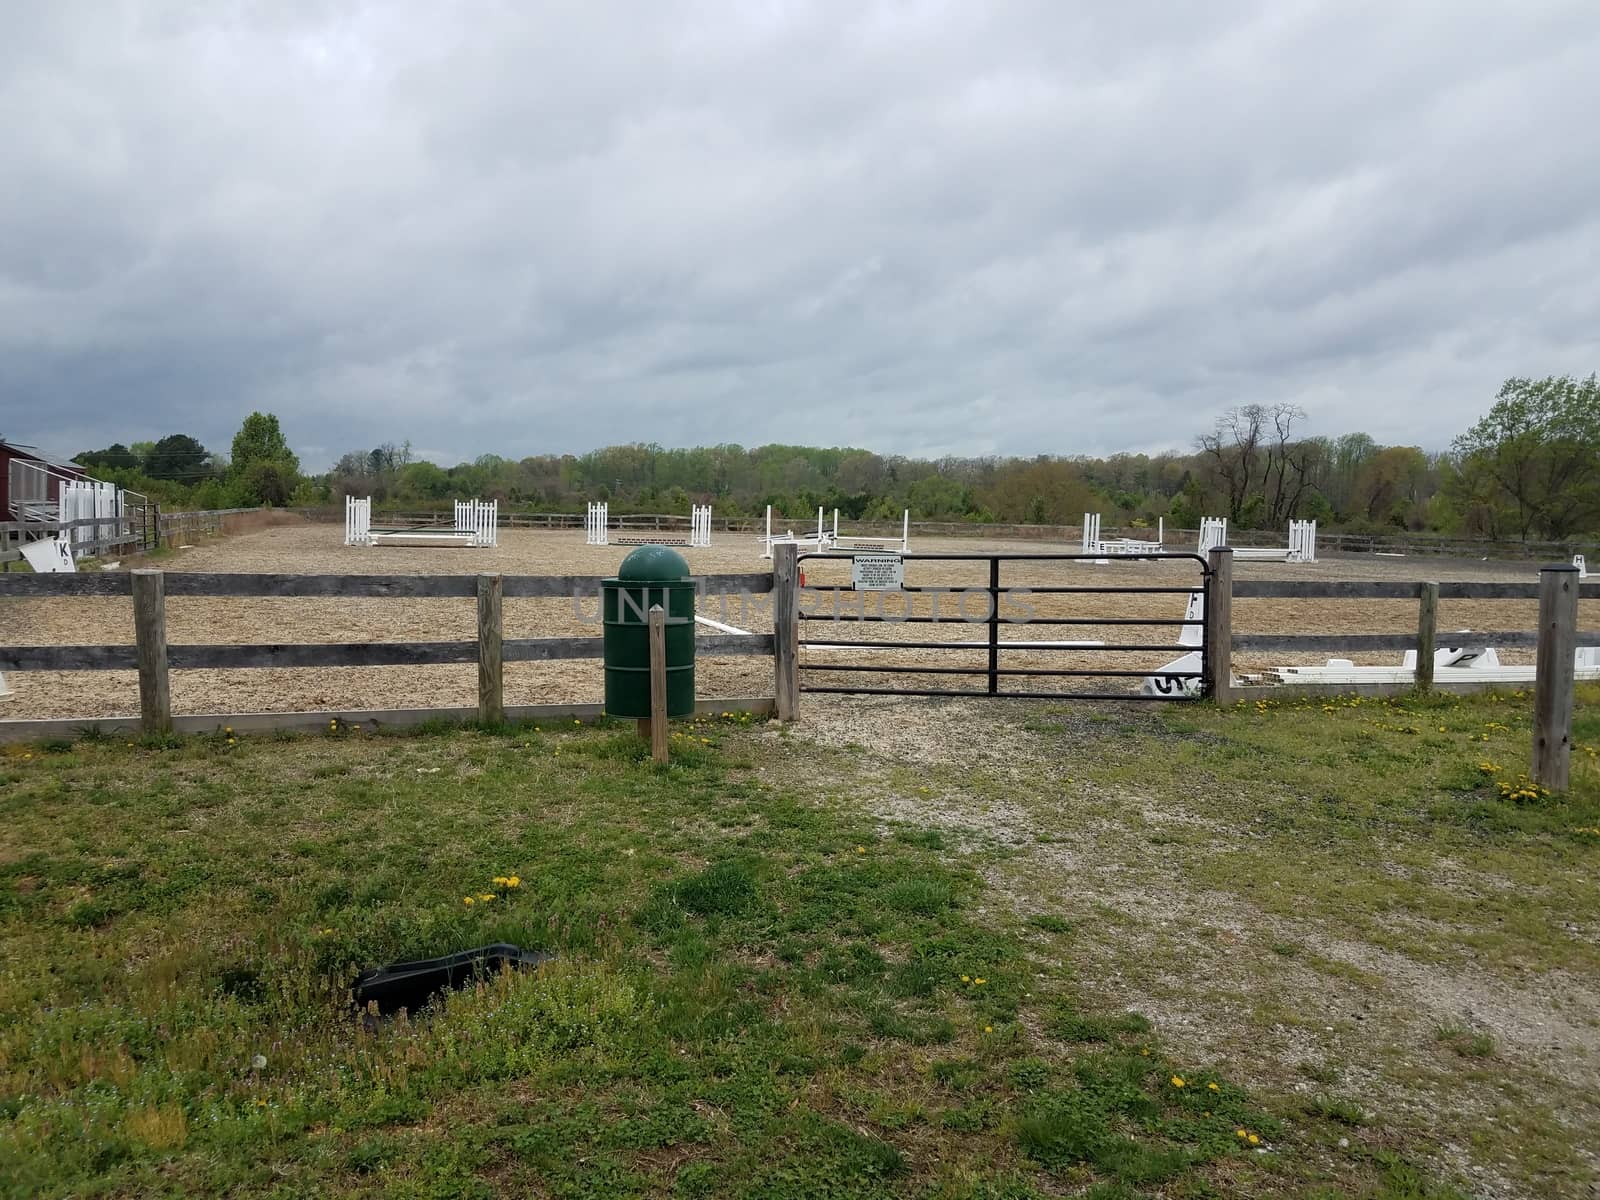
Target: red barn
30	482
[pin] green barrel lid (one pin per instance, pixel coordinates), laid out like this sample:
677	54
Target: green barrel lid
653	564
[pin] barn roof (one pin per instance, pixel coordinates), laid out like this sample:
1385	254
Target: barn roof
44	456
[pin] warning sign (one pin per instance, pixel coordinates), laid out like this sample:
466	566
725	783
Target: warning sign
877	572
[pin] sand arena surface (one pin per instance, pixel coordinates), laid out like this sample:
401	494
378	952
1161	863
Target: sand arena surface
318	549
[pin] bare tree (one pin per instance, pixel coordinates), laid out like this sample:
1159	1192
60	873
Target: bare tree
1233	449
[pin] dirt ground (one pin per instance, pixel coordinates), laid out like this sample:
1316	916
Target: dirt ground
307	548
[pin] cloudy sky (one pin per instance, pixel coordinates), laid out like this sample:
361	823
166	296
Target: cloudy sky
1070	226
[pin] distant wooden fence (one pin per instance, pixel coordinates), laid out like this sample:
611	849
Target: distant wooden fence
132	533
1402	544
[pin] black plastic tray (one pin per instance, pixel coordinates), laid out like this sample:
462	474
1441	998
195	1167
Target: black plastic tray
410	985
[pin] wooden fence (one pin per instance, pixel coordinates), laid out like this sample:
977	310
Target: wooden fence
1554	639
154	659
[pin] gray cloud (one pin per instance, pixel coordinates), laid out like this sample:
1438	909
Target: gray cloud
920	227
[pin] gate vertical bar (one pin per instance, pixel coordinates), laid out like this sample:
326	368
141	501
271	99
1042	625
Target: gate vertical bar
1218	657
994	625
1554	670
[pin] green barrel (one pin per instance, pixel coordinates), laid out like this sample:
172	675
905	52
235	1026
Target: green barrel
650	575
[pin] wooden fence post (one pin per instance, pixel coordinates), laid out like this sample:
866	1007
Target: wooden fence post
150	643
1552	689
786	630
491	634
1218	666
658	684
1427	635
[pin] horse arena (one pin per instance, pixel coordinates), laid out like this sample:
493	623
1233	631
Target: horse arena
298	546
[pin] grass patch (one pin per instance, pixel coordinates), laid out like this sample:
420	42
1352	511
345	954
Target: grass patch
755	992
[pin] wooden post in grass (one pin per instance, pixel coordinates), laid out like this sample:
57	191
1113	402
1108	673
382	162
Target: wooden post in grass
658	684
491	664
1427	635
1218	665
150	644
1552	689
786	630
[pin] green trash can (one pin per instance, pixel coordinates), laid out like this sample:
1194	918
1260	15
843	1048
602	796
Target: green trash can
650	575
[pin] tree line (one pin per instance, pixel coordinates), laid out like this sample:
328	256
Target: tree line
1529	469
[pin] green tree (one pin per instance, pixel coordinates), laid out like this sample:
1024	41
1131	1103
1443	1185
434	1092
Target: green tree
260	439
1539	449
178	457
266	470
115	457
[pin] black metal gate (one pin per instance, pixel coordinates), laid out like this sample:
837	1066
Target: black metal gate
1167	683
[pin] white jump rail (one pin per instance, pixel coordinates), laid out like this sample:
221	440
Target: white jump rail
863	541
1093	543
1302	547
823	540
597	529
476	523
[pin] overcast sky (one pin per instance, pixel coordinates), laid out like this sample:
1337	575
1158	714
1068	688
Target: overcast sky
1071	226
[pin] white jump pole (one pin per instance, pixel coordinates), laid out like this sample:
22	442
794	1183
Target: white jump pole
905	532
766	543
1091	533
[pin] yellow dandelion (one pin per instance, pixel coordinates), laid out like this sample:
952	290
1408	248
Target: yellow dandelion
1240	1133
988	1028
1254	1140
861	849
227	729
486	897
1213	1087
1145	1051
979	980
514	881
964	979
232	742
467	900
1177	1081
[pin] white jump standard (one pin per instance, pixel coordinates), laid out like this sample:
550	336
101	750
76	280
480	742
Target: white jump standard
476	524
